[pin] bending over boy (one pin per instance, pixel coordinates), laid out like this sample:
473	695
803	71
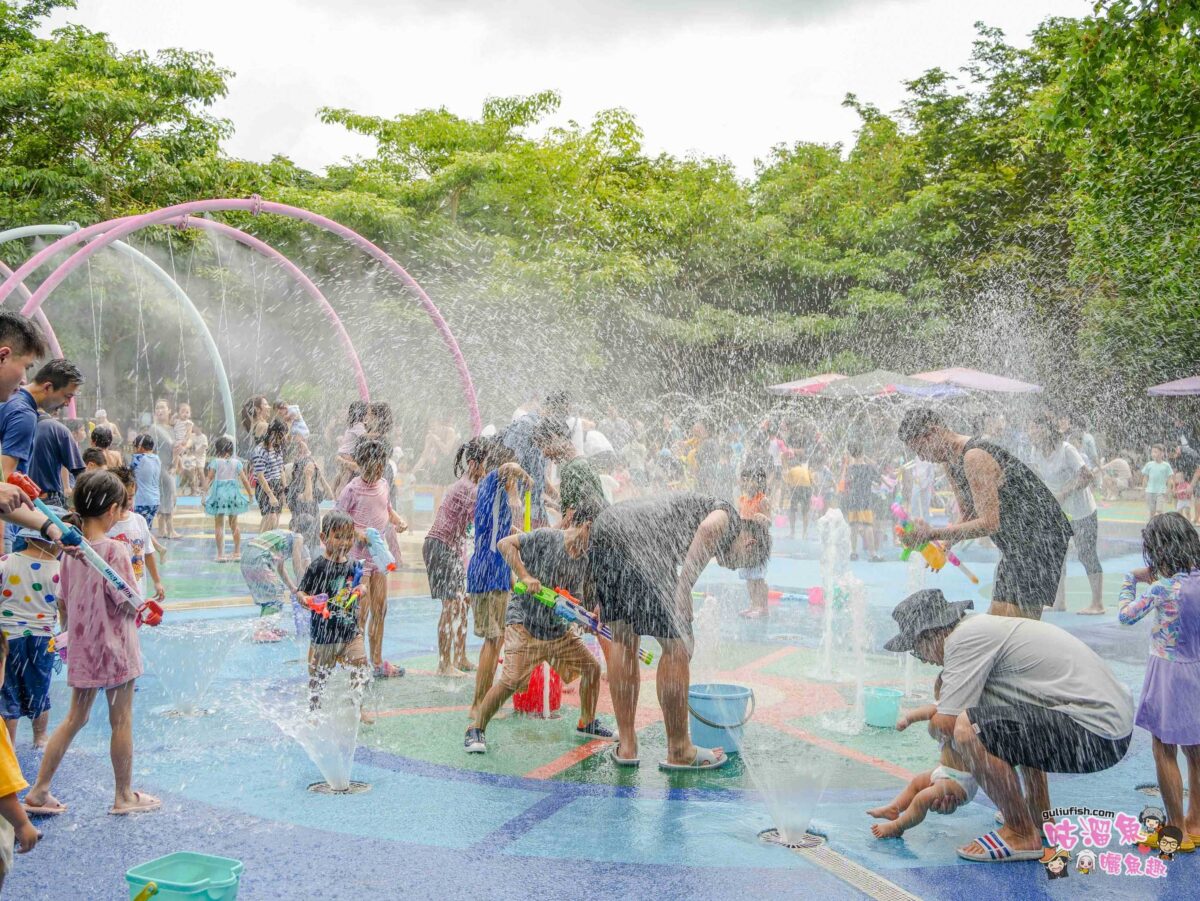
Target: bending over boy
533	634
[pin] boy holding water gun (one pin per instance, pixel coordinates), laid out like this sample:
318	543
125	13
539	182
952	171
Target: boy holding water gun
533	634
331	588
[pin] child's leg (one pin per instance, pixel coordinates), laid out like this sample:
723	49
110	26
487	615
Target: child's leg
235	532
446	637
489	654
1192	753
321	659
120	719
219	535
355	657
758	593
918	784
915	812
461	660
1170	782
376	611
76	719
40	724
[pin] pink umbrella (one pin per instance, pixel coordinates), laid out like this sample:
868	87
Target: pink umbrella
1177	388
975	380
814	384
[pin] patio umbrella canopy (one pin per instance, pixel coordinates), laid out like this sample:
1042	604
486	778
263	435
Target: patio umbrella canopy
877	383
976	380
1178	388
814	384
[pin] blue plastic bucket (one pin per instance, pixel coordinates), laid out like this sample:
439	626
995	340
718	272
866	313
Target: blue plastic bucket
718	712
188	876
882	706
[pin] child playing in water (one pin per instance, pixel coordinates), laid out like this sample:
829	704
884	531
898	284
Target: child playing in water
93	459
105	654
224	481
305	487
268	474
356	428
29	619
444	551
753	504
1168	708
365	499
1157	472
15	828
147	471
951	778
338	638
134	529
264	567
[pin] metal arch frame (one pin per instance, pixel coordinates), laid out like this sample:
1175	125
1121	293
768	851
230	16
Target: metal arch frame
73	234
113	230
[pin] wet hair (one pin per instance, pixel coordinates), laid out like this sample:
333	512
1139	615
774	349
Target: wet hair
550	429
370	451
1158	447
21	334
95	455
356	412
223	447
382	411
1170	545
143	442
276	434
473	451
336	521
125	475
498	453
557	403
102	437
854	449
59	373
756	475
919	422
96	492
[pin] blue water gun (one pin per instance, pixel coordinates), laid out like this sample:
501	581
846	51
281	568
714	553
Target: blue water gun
379	550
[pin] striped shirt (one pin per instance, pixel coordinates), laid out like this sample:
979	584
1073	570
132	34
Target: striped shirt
268	464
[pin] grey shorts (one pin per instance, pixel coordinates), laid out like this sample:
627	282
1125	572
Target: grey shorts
444	567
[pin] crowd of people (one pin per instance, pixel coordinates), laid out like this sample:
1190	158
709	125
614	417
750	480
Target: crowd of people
619	517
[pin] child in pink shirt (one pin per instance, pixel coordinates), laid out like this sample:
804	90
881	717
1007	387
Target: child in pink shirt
103	648
365	499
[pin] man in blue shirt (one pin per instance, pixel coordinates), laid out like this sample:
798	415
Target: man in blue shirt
50	389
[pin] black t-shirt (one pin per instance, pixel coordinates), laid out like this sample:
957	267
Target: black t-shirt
1185	464
860	480
325	576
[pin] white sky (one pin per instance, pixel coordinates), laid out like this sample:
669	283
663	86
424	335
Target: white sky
725	78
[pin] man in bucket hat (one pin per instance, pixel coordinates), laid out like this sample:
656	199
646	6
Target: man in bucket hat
1015	692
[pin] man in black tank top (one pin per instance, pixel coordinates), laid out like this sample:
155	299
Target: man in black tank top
1001	498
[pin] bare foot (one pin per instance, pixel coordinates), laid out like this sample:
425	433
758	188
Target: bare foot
887	812
1091	611
887	830
365	718
40	742
465	665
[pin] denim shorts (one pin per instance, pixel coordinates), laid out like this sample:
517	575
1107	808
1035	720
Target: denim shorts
27	674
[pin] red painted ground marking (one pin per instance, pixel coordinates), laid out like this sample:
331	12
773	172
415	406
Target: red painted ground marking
828	745
568	760
412	711
755	665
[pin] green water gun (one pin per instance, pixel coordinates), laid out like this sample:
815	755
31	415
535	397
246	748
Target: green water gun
564	605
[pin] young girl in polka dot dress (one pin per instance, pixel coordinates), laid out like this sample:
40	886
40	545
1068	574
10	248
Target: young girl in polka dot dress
29	618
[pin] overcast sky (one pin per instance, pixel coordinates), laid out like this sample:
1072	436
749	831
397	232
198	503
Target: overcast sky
725	78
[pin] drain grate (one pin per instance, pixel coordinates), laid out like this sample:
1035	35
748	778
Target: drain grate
1149	788
814	849
324	788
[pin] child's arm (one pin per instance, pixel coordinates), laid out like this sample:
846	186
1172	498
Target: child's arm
922	714
1133	608
397	521
281	568
27	836
307	494
152	567
245	484
510	549
325	486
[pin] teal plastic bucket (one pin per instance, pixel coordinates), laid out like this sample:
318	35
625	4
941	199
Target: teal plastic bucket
188	875
718	713
882	706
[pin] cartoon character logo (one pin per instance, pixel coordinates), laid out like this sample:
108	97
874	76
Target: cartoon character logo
1152	819
1169	840
1085	862
1056	861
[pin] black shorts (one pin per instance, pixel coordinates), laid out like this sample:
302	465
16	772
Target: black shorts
627	593
801	497
444	566
1048	740
265	506
1029	579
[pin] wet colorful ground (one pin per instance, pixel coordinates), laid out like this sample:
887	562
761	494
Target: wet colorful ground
542	815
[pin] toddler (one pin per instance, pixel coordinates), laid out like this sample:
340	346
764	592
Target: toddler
951	778
134	529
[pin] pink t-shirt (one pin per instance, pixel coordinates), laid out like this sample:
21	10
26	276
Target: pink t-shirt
452	517
103	650
368	507
349	439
